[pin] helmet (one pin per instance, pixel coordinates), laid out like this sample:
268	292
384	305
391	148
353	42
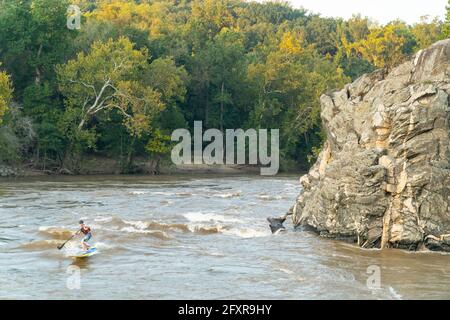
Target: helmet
81	222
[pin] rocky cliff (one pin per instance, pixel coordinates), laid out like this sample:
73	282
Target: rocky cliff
383	176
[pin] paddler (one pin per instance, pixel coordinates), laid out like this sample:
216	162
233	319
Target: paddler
86	231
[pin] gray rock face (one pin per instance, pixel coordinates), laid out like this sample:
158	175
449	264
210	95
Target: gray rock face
383	176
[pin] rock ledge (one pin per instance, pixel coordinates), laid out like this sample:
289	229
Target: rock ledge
383	176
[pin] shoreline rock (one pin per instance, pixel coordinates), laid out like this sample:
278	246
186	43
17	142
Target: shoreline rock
383	176
7	171
105	166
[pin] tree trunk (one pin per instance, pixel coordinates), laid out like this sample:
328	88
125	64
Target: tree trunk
130	155
157	165
81	125
37	79
221	107
207	105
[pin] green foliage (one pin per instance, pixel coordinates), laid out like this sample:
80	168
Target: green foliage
290	83
426	32
159	143
5	94
139	69
322	33
446	27
41	103
9	146
110	77
384	47
16	136
33	38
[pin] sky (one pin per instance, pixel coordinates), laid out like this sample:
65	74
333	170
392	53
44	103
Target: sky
382	11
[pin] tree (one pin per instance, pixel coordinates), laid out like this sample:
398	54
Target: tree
153	18
109	78
207	19
357	28
323	34
33	38
42	103
106	79
426	32
158	146
168	79
289	84
230	63
5	94
384	47
446	27
228	66
115	77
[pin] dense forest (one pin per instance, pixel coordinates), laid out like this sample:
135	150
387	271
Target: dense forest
136	70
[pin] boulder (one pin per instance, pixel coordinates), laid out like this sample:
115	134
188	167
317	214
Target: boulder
383	176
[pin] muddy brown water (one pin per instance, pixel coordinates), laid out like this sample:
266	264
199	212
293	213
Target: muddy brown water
184	237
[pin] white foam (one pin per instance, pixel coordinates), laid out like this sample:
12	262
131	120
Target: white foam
395	294
103	219
155	232
198	227
136	193
164	193
46	228
286	271
208	217
215	253
228	195
134	230
72	248
102	245
247	233
267	197
141	225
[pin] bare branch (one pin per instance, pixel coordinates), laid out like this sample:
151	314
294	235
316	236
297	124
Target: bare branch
89	86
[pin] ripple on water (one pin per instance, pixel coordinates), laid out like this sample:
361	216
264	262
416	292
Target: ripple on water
212	227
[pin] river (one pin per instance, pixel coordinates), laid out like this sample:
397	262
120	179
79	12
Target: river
189	237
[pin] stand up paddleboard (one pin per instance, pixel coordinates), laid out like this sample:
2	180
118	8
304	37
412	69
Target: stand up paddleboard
85	254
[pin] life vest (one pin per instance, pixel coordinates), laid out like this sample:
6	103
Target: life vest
85	230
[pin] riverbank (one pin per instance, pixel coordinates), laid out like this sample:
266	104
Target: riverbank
96	165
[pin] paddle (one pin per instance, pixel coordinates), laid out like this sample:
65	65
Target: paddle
61	246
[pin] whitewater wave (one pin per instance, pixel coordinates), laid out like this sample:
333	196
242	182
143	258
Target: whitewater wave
161	229
247	233
74	249
103	219
266	197
55	232
395	295
287	271
154	233
203	229
42	244
137	193
103	246
109	227
167	227
163	193
208	217
227	195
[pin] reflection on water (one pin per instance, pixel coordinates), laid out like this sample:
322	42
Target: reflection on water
81	263
181	237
